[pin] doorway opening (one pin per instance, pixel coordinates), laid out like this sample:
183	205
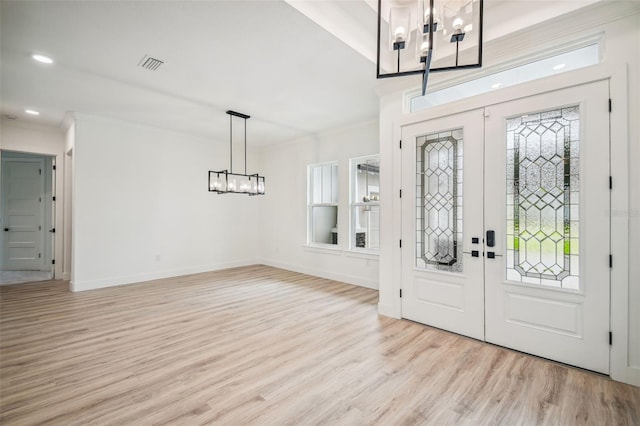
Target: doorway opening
27	240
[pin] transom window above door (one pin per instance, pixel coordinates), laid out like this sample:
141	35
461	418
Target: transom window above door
574	59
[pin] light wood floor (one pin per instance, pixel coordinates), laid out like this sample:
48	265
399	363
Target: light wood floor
259	345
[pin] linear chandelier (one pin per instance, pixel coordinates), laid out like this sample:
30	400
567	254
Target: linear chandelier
227	182
423	36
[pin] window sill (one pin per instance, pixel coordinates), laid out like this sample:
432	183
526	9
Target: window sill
336	251
325	249
361	254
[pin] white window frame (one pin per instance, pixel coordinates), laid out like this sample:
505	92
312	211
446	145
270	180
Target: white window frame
311	204
354	203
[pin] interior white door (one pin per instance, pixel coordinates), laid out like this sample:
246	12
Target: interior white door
547	200
442	219
23	213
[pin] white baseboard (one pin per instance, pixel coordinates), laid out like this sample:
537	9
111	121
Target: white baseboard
336	276
388	311
131	279
629	374
66	276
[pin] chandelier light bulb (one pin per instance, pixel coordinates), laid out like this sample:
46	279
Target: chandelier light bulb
399	34
457	23
436	21
424	47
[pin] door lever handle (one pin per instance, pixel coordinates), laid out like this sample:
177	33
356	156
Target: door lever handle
6	229
491	238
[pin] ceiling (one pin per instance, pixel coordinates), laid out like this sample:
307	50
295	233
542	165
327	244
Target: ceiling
298	67
261	58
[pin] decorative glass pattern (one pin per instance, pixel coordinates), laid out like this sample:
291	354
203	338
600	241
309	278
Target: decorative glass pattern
439	201
542	198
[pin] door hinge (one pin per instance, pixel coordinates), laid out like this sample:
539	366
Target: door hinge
401	193
610	261
39	255
610	182
400	292
609	104
400	243
610	338
39	199
54	198
54	167
39	227
40	172
53	262
400	143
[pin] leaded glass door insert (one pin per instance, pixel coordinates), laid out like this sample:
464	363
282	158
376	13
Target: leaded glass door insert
439	200
542	198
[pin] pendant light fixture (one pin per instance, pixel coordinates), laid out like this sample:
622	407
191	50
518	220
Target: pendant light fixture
227	182
423	36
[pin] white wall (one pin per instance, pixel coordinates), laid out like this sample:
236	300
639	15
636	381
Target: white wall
29	138
142	210
618	23
284	207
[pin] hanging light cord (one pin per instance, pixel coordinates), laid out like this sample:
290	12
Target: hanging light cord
230	143
245	146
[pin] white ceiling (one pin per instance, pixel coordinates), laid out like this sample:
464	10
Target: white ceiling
262	58
298	67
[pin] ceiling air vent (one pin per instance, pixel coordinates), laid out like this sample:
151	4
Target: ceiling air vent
150	63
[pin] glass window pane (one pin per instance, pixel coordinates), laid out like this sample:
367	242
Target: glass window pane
542	196
334	184
367	227
367	181
572	60
316	185
324	221
327	183
439	195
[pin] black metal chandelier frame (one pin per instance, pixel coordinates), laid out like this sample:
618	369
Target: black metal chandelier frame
426	60
227	182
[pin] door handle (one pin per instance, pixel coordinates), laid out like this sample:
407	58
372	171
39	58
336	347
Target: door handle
491	238
6	229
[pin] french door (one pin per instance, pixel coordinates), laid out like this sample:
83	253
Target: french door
505	230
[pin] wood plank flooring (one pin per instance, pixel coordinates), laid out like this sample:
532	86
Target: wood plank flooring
263	346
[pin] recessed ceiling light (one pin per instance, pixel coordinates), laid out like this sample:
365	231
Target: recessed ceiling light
31	112
42	58
559	66
496	85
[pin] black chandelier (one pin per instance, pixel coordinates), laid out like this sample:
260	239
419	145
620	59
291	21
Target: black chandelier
423	36
227	182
